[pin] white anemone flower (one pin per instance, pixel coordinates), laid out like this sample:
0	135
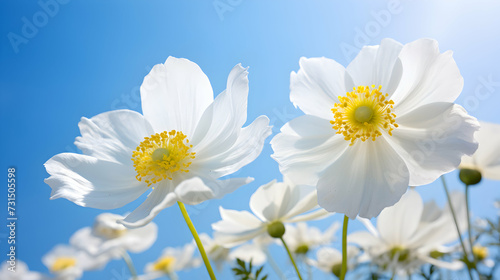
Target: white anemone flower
410	234
302	238
108	237
329	260
182	144
486	159
69	263
215	251
272	204
19	271
171	261
385	122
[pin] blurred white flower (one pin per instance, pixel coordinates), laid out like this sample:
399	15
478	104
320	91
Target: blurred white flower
272	204
171	261
19	272
182	144
109	237
486	159
69	263
410	234
215	251
256	251
397	127
302	238
329	260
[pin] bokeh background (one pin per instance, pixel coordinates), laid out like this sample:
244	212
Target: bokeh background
81	58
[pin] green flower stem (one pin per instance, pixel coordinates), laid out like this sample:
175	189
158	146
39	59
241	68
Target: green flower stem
343	271
274	265
469	230
197	239
130	265
456	225
291	257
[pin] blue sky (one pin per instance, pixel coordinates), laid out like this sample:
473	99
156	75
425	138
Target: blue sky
70	59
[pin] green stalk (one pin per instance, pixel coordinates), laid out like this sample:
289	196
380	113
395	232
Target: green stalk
343	271
274	265
130	264
456	225
291	258
469	230
197	239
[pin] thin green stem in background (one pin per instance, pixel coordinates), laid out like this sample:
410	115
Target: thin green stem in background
130	265
344	248
456	225
291	257
197	239
469	229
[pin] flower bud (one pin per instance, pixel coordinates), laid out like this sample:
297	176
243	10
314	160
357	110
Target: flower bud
470	176
302	250
337	269
276	229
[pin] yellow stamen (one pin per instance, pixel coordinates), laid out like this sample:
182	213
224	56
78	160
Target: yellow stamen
63	263
159	156
363	113
480	252
165	264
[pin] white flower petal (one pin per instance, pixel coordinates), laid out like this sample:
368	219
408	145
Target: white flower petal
161	197
397	224
487	157
305	147
247	148
432	139
364	239
193	191
311	216
237	227
369	226
453	265
113	136
92	182
315	87
303	199
269	202
431	212
236	221
442	230
221	123
174	95
428	76
141	239
222	187
249	252
377	65
327	258
371	174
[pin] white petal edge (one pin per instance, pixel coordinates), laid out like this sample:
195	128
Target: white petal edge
315	87
113	135
174	95
92	182
432	140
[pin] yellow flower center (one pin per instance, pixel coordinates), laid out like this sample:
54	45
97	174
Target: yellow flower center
165	264
159	156
401	253
480	252
110	233
63	263
363	113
